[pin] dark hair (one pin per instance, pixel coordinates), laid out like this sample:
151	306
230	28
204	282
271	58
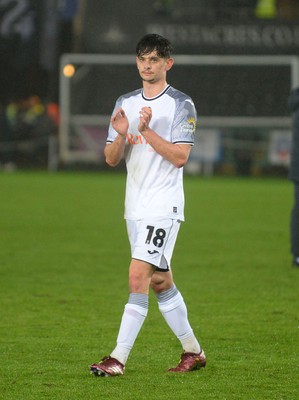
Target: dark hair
154	42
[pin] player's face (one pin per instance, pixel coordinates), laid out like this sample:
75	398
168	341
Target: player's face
153	68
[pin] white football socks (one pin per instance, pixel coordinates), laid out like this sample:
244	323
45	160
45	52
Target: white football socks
132	320
174	310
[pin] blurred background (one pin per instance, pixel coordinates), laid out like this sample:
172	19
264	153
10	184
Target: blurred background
65	62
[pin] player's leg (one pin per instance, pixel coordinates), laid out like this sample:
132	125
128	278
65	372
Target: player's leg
136	309
174	310
132	320
140	274
147	241
173	307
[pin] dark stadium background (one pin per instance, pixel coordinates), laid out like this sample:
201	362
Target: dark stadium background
34	34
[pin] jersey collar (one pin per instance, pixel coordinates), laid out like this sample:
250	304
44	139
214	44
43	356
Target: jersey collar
156	97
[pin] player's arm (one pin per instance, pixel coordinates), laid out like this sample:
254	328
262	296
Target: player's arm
114	151
177	154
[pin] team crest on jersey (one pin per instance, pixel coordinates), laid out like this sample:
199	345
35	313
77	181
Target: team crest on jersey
188	126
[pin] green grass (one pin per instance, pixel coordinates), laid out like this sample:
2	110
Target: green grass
64	259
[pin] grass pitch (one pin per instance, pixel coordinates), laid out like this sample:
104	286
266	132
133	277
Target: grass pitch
64	259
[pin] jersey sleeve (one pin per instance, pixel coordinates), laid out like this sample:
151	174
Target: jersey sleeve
112	134
184	123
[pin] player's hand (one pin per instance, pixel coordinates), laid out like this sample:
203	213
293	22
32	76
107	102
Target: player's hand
119	122
144	119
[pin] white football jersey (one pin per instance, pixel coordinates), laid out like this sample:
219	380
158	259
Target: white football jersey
154	186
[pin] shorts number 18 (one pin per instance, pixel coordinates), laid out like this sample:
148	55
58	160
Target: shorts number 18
159	237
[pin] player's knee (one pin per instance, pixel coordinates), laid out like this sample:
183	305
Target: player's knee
138	282
157	287
159	284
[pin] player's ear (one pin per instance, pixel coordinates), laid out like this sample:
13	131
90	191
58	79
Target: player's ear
169	63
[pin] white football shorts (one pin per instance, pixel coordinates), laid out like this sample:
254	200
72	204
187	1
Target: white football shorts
153	240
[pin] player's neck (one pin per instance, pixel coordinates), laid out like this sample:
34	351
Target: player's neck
153	89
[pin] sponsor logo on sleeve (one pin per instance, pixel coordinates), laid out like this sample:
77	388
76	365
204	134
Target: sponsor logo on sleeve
188	126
